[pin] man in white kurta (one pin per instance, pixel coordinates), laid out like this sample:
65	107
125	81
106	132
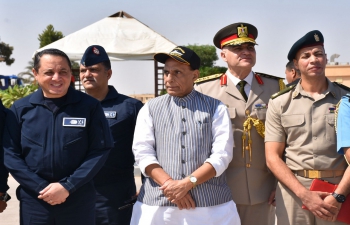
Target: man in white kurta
183	144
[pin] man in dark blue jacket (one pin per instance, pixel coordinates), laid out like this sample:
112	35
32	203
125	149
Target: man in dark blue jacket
3	171
115	182
55	142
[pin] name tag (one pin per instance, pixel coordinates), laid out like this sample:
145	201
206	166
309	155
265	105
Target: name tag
74	122
110	114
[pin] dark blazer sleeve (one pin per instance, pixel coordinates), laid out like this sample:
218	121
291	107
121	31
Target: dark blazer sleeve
13	158
3	171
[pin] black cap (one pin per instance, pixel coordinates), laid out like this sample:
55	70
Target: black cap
235	34
312	38
93	55
182	55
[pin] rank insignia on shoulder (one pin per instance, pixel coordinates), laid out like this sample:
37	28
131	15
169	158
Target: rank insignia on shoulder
286	90
110	114
74	122
279	79
207	78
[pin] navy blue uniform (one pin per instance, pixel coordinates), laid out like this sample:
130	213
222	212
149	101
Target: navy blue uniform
68	146
115	182
3	171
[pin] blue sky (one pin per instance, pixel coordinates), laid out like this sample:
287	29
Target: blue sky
280	24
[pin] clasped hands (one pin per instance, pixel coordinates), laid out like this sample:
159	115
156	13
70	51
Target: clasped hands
177	192
322	204
54	194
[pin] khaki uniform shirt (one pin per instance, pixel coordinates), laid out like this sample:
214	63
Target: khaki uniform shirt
307	127
250	181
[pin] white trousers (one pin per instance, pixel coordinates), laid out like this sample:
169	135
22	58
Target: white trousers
224	214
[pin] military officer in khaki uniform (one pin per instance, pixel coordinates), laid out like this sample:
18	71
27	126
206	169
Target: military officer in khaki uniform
246	95
301	140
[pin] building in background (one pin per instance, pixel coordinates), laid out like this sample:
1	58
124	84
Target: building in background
142	97
339	72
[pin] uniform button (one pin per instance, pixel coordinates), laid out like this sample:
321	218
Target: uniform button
248	165
182	146
183	119
315	138
246	148
183	161
184	133
183	106
183	175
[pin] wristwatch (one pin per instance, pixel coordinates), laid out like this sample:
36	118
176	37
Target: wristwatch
193	180
5	197
338	197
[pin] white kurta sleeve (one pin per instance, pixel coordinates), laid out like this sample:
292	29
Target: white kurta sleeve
222	149
144	141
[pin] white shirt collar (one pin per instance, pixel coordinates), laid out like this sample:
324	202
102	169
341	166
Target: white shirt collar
235	80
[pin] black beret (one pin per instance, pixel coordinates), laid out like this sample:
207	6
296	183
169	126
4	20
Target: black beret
94	55
312	38
182	55
235	34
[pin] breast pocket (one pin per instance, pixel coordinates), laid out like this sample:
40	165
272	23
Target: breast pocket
32	151
260	113
294	126
75	145
121	129
203	136
330	130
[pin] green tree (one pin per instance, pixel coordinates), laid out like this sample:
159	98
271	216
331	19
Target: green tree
5	53
208	56
49	35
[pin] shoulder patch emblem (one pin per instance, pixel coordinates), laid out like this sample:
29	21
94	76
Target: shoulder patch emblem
286	90
207	78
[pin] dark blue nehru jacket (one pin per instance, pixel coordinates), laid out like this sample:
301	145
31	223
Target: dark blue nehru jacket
3	170
121	112
68	146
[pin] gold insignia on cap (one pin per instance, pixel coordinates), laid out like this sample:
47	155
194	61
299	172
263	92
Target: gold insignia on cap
316	38
242	31
177	52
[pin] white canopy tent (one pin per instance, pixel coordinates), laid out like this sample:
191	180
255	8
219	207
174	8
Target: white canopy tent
122	36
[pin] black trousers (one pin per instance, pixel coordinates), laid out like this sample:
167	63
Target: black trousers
79	208
109	198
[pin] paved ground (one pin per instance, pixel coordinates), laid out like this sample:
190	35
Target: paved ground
11	215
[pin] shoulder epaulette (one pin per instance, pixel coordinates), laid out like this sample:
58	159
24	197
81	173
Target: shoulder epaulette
286	90
269	76
342	86
207	78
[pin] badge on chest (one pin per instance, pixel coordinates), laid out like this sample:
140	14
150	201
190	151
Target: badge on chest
74	122
110	114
